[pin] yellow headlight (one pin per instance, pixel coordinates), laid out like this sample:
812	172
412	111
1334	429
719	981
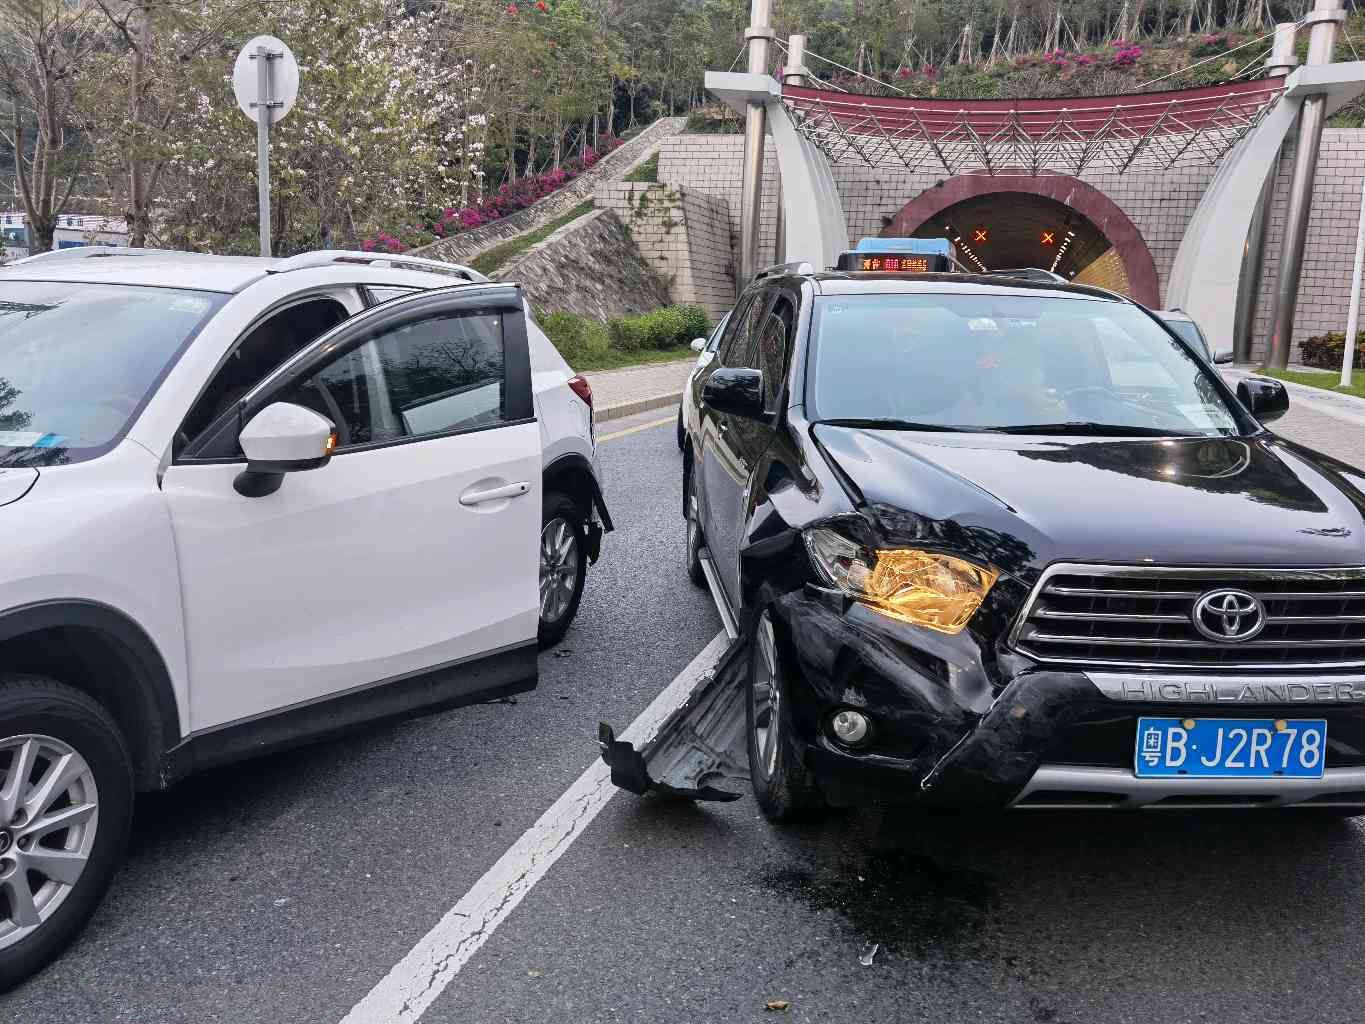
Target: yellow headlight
921	587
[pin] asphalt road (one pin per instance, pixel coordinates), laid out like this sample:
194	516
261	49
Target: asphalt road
284	889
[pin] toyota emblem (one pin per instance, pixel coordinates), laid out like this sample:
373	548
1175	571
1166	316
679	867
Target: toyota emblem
1231	616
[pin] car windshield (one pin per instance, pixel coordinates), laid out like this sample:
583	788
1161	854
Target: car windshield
1046	364
78	362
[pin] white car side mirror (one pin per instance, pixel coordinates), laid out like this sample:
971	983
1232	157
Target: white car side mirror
282	438
698	344
1223	355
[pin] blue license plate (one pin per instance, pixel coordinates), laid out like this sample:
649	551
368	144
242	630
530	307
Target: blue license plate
1242	747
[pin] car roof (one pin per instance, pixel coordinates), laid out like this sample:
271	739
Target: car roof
851	283
168	270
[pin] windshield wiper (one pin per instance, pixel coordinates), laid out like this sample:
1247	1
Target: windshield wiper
887	423
1084	428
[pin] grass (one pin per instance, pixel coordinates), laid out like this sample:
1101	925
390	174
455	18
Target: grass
648	171
500	255
612	359
1326	380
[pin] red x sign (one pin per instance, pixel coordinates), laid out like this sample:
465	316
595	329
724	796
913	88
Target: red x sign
1047	238
979	235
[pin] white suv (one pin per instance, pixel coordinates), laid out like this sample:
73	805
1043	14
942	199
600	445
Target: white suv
249	503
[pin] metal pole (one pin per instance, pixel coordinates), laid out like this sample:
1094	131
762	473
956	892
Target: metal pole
792	74
1280	62
759	34
1322	35
263	116
1353	314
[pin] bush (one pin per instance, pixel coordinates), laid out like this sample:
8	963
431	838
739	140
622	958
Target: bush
1326	351
574	336
661	329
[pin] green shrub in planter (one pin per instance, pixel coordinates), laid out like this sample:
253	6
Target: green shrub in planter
1325	351
628	333
661	329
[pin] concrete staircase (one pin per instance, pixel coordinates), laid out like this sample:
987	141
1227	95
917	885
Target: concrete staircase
466	245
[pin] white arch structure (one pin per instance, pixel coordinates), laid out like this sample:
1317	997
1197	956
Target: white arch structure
1239	126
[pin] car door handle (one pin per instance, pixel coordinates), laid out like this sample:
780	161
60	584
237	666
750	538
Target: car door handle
495	493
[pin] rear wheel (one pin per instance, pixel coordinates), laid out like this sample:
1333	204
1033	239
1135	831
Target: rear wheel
694	535
682	437
66	799
783	786
563	567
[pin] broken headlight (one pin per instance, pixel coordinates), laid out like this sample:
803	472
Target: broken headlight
925	588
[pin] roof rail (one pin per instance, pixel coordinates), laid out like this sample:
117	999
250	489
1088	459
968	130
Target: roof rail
784	269
85	252
330	257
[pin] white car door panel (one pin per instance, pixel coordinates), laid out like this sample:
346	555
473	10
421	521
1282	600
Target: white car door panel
378	565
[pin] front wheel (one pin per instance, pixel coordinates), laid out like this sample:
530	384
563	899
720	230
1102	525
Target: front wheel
784	787
66	800
563	566
695	540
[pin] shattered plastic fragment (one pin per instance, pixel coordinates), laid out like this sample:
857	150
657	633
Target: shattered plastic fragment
777	1004
869	953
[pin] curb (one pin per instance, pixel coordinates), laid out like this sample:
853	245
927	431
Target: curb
623	409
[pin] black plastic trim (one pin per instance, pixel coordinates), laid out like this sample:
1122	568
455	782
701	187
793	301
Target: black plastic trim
149	668
576	461
469	681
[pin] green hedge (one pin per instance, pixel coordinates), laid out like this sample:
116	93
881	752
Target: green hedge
1325	351
578	337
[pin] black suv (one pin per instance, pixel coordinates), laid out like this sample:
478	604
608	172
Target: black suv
1014	544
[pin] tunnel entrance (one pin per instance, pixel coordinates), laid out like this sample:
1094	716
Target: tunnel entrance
1052	221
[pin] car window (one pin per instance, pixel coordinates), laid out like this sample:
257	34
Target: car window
773	341
1006	362
377	293
79	361
741	349
1189	330
432	376
713	343
261	351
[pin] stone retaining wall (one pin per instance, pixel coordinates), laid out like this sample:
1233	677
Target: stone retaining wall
684	235
590	266
466	245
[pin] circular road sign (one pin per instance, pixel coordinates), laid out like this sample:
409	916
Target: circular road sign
284	78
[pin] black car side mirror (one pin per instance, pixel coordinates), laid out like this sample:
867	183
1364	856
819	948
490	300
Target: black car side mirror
1265	398
735	390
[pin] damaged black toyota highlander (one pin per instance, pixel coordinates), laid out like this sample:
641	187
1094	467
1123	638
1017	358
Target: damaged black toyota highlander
1008	544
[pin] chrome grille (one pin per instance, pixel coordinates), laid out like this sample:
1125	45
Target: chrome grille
1139	616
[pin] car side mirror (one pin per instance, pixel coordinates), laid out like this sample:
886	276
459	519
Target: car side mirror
1265	398
1222	356
282	438
735	390
698	344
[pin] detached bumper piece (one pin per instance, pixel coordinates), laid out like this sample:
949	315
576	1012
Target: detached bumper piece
700	746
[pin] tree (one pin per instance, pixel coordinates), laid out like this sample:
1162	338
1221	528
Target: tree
43	44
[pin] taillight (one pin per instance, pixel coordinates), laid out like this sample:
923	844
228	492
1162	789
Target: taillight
580	387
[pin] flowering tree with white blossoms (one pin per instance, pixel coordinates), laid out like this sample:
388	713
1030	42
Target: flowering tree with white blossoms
382	131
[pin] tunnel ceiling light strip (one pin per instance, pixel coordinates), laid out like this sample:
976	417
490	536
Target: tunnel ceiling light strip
1115	133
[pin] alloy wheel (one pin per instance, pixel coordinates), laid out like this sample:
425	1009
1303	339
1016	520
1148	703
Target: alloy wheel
767	697
49	814
558	568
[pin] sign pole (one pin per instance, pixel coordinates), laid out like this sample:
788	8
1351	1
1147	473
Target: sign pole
1353	315
262	57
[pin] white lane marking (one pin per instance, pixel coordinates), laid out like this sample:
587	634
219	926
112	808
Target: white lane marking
414	983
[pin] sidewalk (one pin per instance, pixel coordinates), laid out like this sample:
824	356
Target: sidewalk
636	389
1330	422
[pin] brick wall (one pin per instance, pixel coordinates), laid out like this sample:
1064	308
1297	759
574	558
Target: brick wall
683	234
1160	203
1107	271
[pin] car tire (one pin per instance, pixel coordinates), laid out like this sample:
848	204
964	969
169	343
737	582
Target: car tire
695	539
563	565
682	438
48	724
785	789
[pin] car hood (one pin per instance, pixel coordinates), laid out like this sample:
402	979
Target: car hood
1023	502
15	483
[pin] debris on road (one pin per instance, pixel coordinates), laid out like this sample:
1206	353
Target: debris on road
869	953
777	1004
